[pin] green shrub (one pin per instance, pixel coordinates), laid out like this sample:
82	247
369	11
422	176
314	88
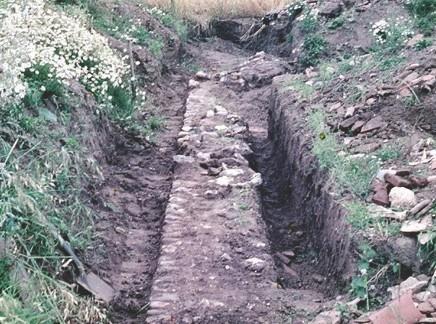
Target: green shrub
309	23
123	105
314	47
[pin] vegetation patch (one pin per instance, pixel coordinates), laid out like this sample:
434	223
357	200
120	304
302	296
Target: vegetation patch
389	152
303	89
308	21
423	44
122	28
353	174
391	37
314	46
427	252
424	14
375	271
171	21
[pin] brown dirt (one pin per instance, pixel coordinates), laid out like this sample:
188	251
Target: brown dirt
131	204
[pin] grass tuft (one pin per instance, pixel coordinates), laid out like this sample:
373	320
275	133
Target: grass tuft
351	174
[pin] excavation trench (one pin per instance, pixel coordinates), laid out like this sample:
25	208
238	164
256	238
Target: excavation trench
297	199
235	250
131	205
309	238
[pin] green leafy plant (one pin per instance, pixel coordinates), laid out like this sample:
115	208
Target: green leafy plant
42	84
314	47
389	152
358	215
359	284
309	23
374	270
424	13
423	44
336	23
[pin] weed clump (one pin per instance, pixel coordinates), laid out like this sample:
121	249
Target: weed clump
309	22
352	174
314	47
303	89
424	13
391	35
373	268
